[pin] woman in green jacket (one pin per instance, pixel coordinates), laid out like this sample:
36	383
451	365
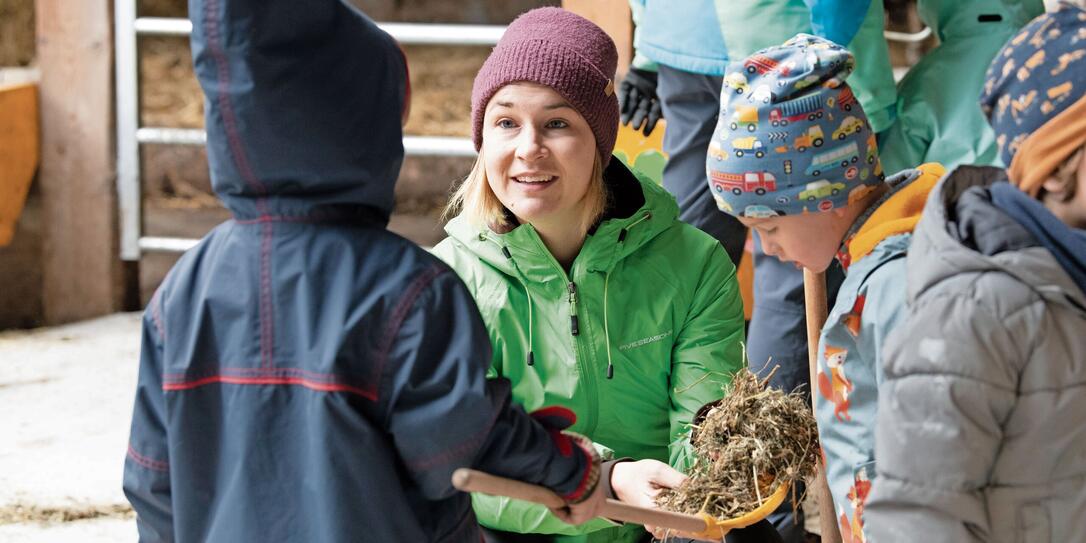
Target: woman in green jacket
595	296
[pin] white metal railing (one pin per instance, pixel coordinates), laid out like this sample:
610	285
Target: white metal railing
412	145
130	135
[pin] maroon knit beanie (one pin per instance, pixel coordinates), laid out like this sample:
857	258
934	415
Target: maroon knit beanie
561	50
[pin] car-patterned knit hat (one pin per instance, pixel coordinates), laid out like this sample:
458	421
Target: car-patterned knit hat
1035	96
791	137
564	51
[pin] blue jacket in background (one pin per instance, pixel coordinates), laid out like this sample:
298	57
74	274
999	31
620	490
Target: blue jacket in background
305	374
696	45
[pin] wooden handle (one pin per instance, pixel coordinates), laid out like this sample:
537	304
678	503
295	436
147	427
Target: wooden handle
470	480
814	297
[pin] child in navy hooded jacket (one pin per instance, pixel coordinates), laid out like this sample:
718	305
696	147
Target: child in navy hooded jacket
305	374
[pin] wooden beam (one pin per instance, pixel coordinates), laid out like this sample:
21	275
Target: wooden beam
613	16
817	309
83	275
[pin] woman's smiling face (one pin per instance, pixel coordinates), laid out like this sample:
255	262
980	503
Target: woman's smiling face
538	153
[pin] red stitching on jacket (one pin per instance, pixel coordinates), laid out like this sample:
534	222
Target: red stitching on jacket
241	160
181	377
266	308
214	43
156	314
444	457
398	316
279	218
149	463
270	380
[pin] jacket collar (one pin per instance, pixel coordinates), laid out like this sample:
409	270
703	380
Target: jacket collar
897	212
638	210
962	231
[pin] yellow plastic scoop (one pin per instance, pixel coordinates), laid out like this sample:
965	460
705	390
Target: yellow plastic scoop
701	526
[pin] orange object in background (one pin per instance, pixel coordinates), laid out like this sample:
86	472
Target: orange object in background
745	275
645	154
19	152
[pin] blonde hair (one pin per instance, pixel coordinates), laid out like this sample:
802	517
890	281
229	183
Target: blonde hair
476	202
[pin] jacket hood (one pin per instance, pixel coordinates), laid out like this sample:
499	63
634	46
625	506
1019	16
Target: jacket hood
962	231
303	107
951	19
637	212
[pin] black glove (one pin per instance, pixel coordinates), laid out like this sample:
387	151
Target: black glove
637	101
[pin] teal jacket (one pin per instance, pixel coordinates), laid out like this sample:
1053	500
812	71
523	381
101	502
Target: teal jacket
654	299
683	35
702	36
752	25
939	119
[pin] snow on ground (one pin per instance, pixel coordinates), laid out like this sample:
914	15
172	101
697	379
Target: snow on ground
65	405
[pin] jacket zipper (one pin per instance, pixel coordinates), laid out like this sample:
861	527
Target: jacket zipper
588	377
574	329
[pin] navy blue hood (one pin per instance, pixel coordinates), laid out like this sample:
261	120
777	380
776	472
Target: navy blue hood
1067	244
278	145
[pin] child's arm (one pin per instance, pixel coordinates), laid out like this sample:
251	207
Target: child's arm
707	351
442	413
146	467
950	381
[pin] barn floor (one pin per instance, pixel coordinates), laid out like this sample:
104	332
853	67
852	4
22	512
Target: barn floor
67	397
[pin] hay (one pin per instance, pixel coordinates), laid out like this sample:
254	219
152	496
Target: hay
754	440
24	513
16	32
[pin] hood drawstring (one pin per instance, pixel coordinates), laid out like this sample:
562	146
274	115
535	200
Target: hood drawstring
528	293
606	280
606	332
572	298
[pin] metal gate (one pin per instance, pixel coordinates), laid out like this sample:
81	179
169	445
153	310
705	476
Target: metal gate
130	135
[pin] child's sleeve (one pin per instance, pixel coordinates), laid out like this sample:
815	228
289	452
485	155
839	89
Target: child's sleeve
147	468
443	414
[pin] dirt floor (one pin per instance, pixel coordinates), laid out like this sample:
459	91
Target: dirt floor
66	390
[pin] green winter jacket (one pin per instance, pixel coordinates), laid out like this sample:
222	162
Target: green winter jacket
939	119
645	329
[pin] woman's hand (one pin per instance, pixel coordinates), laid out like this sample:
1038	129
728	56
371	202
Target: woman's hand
638	483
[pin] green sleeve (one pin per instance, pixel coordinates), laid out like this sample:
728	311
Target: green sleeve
707	352
905	144
511	515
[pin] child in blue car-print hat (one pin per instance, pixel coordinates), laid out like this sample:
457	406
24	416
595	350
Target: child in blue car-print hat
791	137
